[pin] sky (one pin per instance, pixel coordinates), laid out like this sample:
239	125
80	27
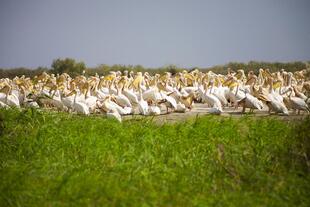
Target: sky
153	33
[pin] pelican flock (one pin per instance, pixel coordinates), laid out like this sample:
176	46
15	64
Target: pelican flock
118	94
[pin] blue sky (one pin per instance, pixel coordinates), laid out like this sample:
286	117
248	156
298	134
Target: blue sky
186	33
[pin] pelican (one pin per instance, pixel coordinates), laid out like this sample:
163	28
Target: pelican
169	102
181	108
121	99
214	110
113	114
251	102
152	94
110	104
142	105
3	105
275	102
79	107
130	94
153	110
8	97
210	99
296	103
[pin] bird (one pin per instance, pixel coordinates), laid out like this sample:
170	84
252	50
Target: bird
113	114
9	98
214	110
210	99
142	105
296	103
153	110
181	108
79	107
251	102
169	102
121	99
3	105
119	94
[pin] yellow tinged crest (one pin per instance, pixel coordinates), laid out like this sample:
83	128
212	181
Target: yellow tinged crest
110	77
277	85
189	76
136	82
263	97
233	84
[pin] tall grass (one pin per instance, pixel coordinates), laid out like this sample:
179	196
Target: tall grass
55	159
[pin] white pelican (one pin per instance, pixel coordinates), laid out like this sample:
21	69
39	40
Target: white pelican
121	99
251	102
113	114
296	103
79	107
9	98
276	101
153	110
169	102
181	108
142	105
210	99
214	110
3	105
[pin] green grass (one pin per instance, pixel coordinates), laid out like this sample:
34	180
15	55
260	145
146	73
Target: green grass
56	159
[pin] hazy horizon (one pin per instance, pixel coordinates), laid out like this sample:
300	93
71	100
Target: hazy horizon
153	33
